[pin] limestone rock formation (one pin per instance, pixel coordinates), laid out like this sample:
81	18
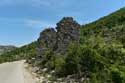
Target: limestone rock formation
68	31
47	40
58	40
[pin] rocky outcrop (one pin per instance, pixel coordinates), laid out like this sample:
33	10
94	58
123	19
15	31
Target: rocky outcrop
47	40
58	40
68	31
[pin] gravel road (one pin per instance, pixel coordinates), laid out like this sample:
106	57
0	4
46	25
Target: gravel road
15	72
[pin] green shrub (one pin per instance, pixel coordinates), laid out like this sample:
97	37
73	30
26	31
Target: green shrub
90	60
72	59
116	77
59	65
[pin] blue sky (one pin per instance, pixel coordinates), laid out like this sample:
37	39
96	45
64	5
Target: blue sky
21	21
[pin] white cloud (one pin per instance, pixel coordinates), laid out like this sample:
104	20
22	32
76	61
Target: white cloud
29	23
38	24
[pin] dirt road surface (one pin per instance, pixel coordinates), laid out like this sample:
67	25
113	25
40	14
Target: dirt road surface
15	72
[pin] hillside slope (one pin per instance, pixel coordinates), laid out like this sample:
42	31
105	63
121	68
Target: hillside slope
104	25
111	29
23	52
98	58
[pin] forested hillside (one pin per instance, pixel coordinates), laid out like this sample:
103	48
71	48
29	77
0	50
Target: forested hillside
104	48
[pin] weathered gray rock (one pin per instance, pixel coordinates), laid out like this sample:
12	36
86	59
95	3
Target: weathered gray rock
47	40
68	31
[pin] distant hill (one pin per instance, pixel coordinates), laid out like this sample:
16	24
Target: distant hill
23	52
4	49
